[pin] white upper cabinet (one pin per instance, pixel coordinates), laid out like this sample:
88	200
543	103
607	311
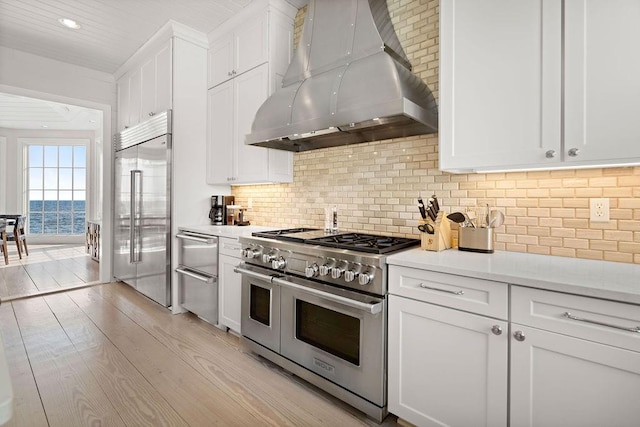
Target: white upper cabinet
602	83
221	60
247	60
241	50
498	106
145	90
509	99
221	113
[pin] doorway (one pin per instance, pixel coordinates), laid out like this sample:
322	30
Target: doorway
57	195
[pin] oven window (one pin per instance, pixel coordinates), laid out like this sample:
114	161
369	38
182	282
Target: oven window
328	330
260	305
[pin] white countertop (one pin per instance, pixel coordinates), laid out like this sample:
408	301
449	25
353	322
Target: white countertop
601	279
231	231
6	392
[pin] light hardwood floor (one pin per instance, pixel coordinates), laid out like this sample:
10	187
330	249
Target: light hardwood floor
106	355
47	267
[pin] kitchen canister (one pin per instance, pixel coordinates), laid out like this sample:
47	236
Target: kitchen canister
474	239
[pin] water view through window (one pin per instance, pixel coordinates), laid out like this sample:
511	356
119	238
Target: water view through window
56	188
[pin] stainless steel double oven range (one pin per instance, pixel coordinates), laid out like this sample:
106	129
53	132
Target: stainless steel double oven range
315	304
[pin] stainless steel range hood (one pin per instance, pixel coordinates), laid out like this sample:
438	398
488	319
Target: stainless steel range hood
349	82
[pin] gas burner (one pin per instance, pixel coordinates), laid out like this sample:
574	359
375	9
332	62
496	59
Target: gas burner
299	234
365	242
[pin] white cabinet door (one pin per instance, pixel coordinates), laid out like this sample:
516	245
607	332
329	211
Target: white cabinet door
251	44
135	96
221	60
148	88
602	65
156	83
500	83
229	288
558	380
123	103
163	79
220	148
446	367
251	90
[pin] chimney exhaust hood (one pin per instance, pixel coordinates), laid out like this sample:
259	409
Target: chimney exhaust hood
349	82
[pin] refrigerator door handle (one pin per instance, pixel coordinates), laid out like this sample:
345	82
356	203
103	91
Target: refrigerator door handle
134	255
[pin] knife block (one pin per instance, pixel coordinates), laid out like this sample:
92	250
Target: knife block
441	238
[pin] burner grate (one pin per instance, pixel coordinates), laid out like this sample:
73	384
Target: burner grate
365	242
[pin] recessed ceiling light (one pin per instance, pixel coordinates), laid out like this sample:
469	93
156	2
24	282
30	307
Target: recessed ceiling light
45	126
69	23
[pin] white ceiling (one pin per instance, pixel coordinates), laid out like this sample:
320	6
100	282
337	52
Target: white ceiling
112	31
19	112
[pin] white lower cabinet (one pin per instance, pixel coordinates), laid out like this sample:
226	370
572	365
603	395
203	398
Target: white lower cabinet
446	367
558	380
574	361
229	284
557	359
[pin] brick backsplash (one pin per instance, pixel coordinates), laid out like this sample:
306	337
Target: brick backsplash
376	185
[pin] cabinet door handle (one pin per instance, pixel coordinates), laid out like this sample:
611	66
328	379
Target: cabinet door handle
229	73
519	335
151	114
496	329
573	152
550	154
595	322
423	286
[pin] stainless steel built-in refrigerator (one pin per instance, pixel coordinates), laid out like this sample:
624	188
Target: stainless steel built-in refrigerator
142	254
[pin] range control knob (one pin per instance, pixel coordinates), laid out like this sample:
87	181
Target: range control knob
366	277
311	270
250	253
267	258
353	272
278	264
325	269
336	272
350	275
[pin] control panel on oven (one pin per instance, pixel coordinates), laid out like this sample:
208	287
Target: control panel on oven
354	274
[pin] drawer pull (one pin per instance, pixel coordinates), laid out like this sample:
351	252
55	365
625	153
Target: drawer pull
595	322
422	285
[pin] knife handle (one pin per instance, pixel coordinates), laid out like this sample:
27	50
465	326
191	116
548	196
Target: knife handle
436	205
431	213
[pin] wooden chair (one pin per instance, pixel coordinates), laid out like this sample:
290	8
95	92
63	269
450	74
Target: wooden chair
3	242
17	235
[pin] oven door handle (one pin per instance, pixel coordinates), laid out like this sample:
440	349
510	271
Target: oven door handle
363	306
259	276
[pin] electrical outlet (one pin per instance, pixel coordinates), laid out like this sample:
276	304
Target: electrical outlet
599	209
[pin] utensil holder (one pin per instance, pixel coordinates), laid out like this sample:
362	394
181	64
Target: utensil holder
441	237
476	239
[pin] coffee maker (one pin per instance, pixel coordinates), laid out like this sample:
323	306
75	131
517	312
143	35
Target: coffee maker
218	212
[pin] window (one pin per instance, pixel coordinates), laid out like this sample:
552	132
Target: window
56	188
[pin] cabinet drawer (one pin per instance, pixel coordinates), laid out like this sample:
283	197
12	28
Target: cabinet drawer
479	296
230	247
607	322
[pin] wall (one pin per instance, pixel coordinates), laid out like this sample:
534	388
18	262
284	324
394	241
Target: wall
376	185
